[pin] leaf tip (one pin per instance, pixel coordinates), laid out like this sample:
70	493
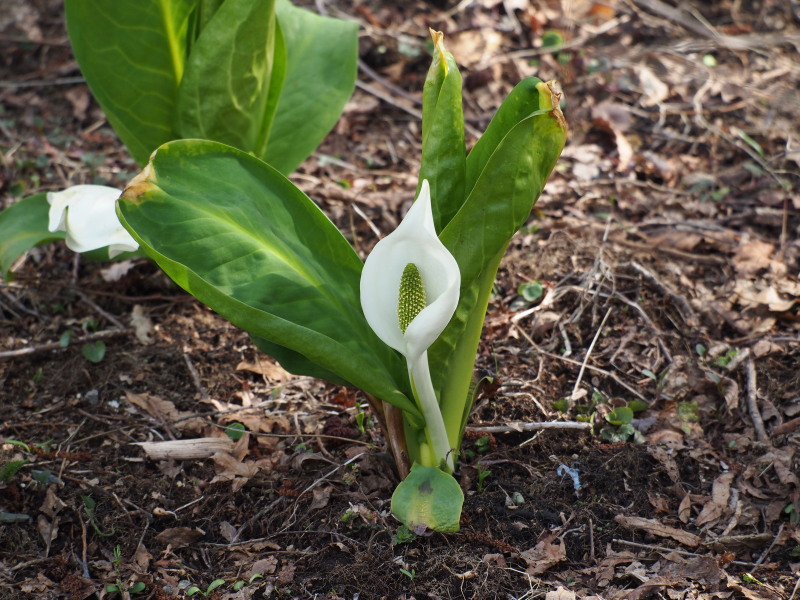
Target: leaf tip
140	184
439	51
550	99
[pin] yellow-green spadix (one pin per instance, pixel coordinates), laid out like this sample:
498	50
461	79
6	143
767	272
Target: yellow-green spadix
409	292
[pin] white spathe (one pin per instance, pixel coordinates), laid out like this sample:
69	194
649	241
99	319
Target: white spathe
414	241
87	214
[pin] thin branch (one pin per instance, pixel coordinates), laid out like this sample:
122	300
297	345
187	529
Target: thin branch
521	426
92	337
588	354
752	401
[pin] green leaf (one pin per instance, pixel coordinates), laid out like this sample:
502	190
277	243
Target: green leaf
443	149
499	203
235	431
321	64
132	55
531	291
227	92
94	352
520	103
22	226
241	238
137	588
217	582
428	500
620	415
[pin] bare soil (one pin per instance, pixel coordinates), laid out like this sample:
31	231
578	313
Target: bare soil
666	248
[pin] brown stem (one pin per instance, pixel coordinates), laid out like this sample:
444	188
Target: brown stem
390	419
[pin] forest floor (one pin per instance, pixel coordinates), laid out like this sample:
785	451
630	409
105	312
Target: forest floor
659	272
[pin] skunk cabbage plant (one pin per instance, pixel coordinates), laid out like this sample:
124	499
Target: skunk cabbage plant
403	327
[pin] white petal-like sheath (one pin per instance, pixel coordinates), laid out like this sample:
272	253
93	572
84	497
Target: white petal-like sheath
414	241
87	214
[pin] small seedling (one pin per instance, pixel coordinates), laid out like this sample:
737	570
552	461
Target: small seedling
88	507
192	590
240	584
483	473
750	579
119	587
235	431
402	535
483	444
410	574
94	352
362	418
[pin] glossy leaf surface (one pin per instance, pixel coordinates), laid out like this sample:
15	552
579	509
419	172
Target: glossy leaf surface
499	203
132	55
227	92
241	238
443	150
321	57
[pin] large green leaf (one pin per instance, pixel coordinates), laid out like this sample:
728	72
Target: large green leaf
322	55
22	226
237	235
443	149
227	92
499	203
132	55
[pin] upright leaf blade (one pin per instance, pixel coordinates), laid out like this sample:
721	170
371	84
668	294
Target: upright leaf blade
521	102
443	149
242	239
499	203
225	91
322	56
132	55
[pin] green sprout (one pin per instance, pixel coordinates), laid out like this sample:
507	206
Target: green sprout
192	590
119	587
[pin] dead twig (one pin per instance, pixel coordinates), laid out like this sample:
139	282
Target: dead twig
752	401
195	377
787	427
92	337
521	426
574	395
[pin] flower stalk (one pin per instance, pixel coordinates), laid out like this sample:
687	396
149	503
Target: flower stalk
409	292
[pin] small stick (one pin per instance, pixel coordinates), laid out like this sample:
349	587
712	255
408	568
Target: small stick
588	354
787	427
520	426
675	550
752	402
770	547
98	335
195	377
107	315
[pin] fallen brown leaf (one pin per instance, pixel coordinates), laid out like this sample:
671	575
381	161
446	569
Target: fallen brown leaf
178	537
544	554
653	527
